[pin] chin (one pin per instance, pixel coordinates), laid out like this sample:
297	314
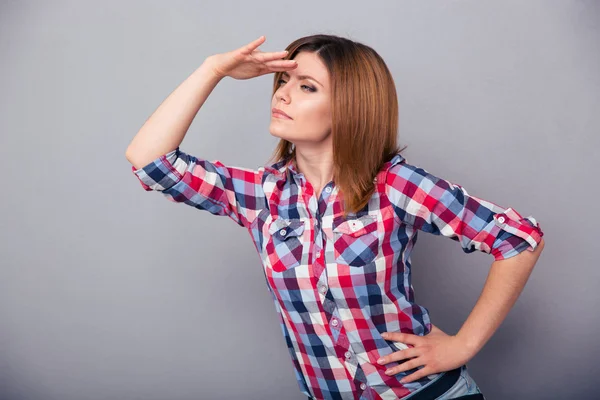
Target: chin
273	134
276	132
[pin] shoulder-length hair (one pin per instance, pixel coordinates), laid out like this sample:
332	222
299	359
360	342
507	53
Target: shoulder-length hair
364	109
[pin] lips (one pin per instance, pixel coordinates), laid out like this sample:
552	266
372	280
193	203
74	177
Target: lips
276	111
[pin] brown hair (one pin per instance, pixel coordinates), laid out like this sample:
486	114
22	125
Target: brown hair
364	114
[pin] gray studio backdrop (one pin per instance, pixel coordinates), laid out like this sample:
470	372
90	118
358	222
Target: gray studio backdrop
110	292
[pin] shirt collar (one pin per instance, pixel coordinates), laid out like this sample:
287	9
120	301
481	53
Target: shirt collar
288	165
398	158
291	167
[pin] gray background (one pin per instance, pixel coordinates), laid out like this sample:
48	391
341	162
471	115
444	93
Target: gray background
110	292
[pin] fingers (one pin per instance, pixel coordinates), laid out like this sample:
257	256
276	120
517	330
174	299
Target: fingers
282	65
415	376
249	48
400	355
405	366
276	55
402	337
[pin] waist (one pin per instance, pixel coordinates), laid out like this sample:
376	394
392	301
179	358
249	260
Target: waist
438	387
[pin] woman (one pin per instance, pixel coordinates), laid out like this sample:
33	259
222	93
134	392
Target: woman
335	219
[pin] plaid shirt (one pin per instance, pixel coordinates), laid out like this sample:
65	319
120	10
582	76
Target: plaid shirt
338	283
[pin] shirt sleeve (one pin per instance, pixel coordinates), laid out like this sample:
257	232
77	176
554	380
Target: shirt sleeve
221	190
437	206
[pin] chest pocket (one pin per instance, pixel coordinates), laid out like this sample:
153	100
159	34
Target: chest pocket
285	244
355	240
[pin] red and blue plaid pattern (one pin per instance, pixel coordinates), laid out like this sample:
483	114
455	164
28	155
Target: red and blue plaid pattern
338	283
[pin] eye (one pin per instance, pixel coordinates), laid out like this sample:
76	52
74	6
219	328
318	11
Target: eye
309	88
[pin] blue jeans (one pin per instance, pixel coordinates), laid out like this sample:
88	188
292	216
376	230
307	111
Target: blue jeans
464	386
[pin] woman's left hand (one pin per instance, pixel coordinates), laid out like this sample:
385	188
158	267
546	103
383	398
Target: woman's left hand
437	351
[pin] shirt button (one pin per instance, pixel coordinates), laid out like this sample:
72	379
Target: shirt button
363	386
328	189
348	355
334	322
501	220
323	289
283	232
318	253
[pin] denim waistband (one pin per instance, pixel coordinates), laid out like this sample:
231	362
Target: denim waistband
439	387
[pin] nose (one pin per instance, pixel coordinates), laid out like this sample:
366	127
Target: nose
282	95
283	98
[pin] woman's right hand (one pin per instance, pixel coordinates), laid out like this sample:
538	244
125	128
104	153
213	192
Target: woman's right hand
248	62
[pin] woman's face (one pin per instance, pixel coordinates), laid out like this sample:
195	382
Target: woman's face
304	94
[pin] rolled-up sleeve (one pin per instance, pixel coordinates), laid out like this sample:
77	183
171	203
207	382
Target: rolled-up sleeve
435	205
219	189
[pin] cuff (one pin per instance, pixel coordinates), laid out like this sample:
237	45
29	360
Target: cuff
526	229
162	173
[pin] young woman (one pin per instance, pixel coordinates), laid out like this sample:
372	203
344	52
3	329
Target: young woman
335	219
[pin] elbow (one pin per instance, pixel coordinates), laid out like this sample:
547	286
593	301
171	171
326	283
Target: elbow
540	246
132	159
535	254
128	153
128	156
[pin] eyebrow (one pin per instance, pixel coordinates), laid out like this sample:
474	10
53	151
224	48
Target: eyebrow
302	77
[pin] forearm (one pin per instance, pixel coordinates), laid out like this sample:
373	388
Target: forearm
504	284
165	129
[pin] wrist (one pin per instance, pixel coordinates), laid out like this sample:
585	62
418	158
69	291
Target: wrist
469	342
210	65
